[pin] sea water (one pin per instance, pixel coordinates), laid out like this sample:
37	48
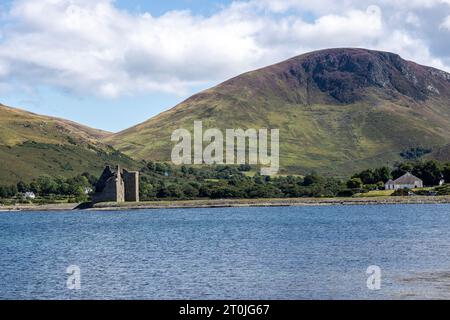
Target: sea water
311	252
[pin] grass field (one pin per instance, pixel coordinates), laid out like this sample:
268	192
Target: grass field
386	193
376	193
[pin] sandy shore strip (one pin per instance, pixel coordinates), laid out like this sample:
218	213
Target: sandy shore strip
43	207
223	203
271	202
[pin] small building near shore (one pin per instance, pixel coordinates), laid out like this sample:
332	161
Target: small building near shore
407	181
119	185
29	195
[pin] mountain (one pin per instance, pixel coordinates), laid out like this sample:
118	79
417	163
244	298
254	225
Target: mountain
338	111
33	145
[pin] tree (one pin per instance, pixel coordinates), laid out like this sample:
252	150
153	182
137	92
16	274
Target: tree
333	186
47	185
8	191
65	188
90	178
151	165
244	167
446	173
312	178
35	187
160	167
291	190
163	192
430	172
189	191
13	191
147	191
382	174
22	187
400	169
227	192
415	153
3	192
355	183
380	185
205	191
75	184
175	191
258	179
366	176
264	191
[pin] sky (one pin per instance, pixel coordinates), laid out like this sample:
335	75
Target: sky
112	64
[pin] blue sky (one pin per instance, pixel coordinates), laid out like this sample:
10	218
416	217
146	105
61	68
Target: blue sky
157	8
113	64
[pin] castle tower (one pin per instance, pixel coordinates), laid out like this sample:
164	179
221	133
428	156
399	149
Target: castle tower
120	185
131	181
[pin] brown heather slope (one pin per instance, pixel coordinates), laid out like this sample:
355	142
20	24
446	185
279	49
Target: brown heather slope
32	145
18	126
338	110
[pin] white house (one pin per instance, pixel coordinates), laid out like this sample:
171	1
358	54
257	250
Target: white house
88	190
29	195
407	181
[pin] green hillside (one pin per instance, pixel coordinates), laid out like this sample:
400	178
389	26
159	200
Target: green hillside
32	145
338	111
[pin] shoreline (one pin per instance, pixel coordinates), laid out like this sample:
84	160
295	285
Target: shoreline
36	207
232	203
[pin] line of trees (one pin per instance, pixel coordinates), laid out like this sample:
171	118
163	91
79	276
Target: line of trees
229	182
78	187
431	172
222	181
164	181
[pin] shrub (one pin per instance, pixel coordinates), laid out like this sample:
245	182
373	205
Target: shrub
444	190
401	193
347	193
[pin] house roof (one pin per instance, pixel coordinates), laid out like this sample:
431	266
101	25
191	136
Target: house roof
407	178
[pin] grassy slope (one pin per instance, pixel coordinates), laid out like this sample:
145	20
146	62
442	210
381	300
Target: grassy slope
316	132
33	145
18	126
317	137
441	154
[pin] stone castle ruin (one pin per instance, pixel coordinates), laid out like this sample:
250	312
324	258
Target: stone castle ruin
117	185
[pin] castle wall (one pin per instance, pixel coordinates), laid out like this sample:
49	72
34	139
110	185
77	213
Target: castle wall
131	186
119	186
109	193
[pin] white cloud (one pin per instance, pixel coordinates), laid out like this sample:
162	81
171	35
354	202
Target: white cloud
333	6
446	23
94	48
